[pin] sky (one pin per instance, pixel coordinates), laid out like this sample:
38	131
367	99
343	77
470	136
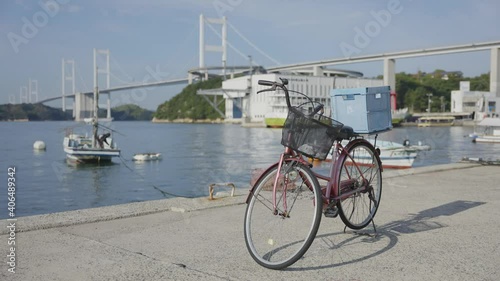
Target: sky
158	39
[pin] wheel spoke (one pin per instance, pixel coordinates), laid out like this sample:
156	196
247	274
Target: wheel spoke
362	167
277	241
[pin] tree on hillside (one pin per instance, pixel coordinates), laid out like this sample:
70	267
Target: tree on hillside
412	89
188	104
404	83
480	83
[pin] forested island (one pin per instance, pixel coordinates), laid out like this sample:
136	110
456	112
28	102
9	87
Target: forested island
40	112
412	89
187	106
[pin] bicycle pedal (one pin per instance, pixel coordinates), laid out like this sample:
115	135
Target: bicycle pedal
331	212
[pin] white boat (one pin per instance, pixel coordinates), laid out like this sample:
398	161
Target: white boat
81	148
276	117
394	155
491	131
397	156
435	121
91	119
146	156
399	115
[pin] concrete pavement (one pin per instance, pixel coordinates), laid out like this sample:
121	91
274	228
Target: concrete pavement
434	223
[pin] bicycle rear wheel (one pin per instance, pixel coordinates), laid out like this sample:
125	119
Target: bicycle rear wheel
278	239
360	166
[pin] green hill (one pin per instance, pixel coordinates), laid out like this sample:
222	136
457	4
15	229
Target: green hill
32	112
40	112
189	105
131	112
412	89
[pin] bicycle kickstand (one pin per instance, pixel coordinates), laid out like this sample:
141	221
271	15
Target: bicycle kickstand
374	229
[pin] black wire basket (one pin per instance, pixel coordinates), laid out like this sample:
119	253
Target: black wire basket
311	135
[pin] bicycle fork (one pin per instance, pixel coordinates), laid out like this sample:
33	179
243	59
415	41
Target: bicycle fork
284	214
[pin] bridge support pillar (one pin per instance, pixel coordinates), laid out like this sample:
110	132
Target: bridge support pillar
84	106
317	70
495	71
190	78
390	77
108	115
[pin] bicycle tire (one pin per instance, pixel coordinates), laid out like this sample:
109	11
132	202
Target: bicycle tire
277	241
359	209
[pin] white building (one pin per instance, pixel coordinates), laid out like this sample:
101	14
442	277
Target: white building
483	104
244	104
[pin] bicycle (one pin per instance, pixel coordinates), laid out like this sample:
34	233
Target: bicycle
285	205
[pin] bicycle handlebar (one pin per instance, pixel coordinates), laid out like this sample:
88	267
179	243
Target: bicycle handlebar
266	83
282	85
317	109
274	85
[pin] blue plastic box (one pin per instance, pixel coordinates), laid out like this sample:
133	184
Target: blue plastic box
367	110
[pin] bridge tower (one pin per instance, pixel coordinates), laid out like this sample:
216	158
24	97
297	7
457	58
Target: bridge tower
103	70
32	91
212	48
23	94
70	77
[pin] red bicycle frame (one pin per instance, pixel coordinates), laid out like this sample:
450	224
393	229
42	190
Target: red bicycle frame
339	154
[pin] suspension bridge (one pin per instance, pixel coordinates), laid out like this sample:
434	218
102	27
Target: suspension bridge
83	101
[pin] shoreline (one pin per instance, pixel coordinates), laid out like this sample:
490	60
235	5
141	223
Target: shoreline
189	121
178	204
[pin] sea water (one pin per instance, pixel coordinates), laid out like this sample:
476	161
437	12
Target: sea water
193	157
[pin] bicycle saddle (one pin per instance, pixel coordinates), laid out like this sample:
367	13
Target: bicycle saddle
346	133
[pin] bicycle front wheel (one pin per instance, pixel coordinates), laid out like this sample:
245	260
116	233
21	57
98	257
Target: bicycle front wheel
359	184
278	238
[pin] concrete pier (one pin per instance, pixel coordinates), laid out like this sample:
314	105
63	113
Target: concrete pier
434	223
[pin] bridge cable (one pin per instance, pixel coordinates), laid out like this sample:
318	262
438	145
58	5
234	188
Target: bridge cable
129	79
81	78
253	45
231	45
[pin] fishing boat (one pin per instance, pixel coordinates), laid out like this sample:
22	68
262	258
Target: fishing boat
398	116
275	119
278	112
146	156
490	132
392	154
97	148
397	156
